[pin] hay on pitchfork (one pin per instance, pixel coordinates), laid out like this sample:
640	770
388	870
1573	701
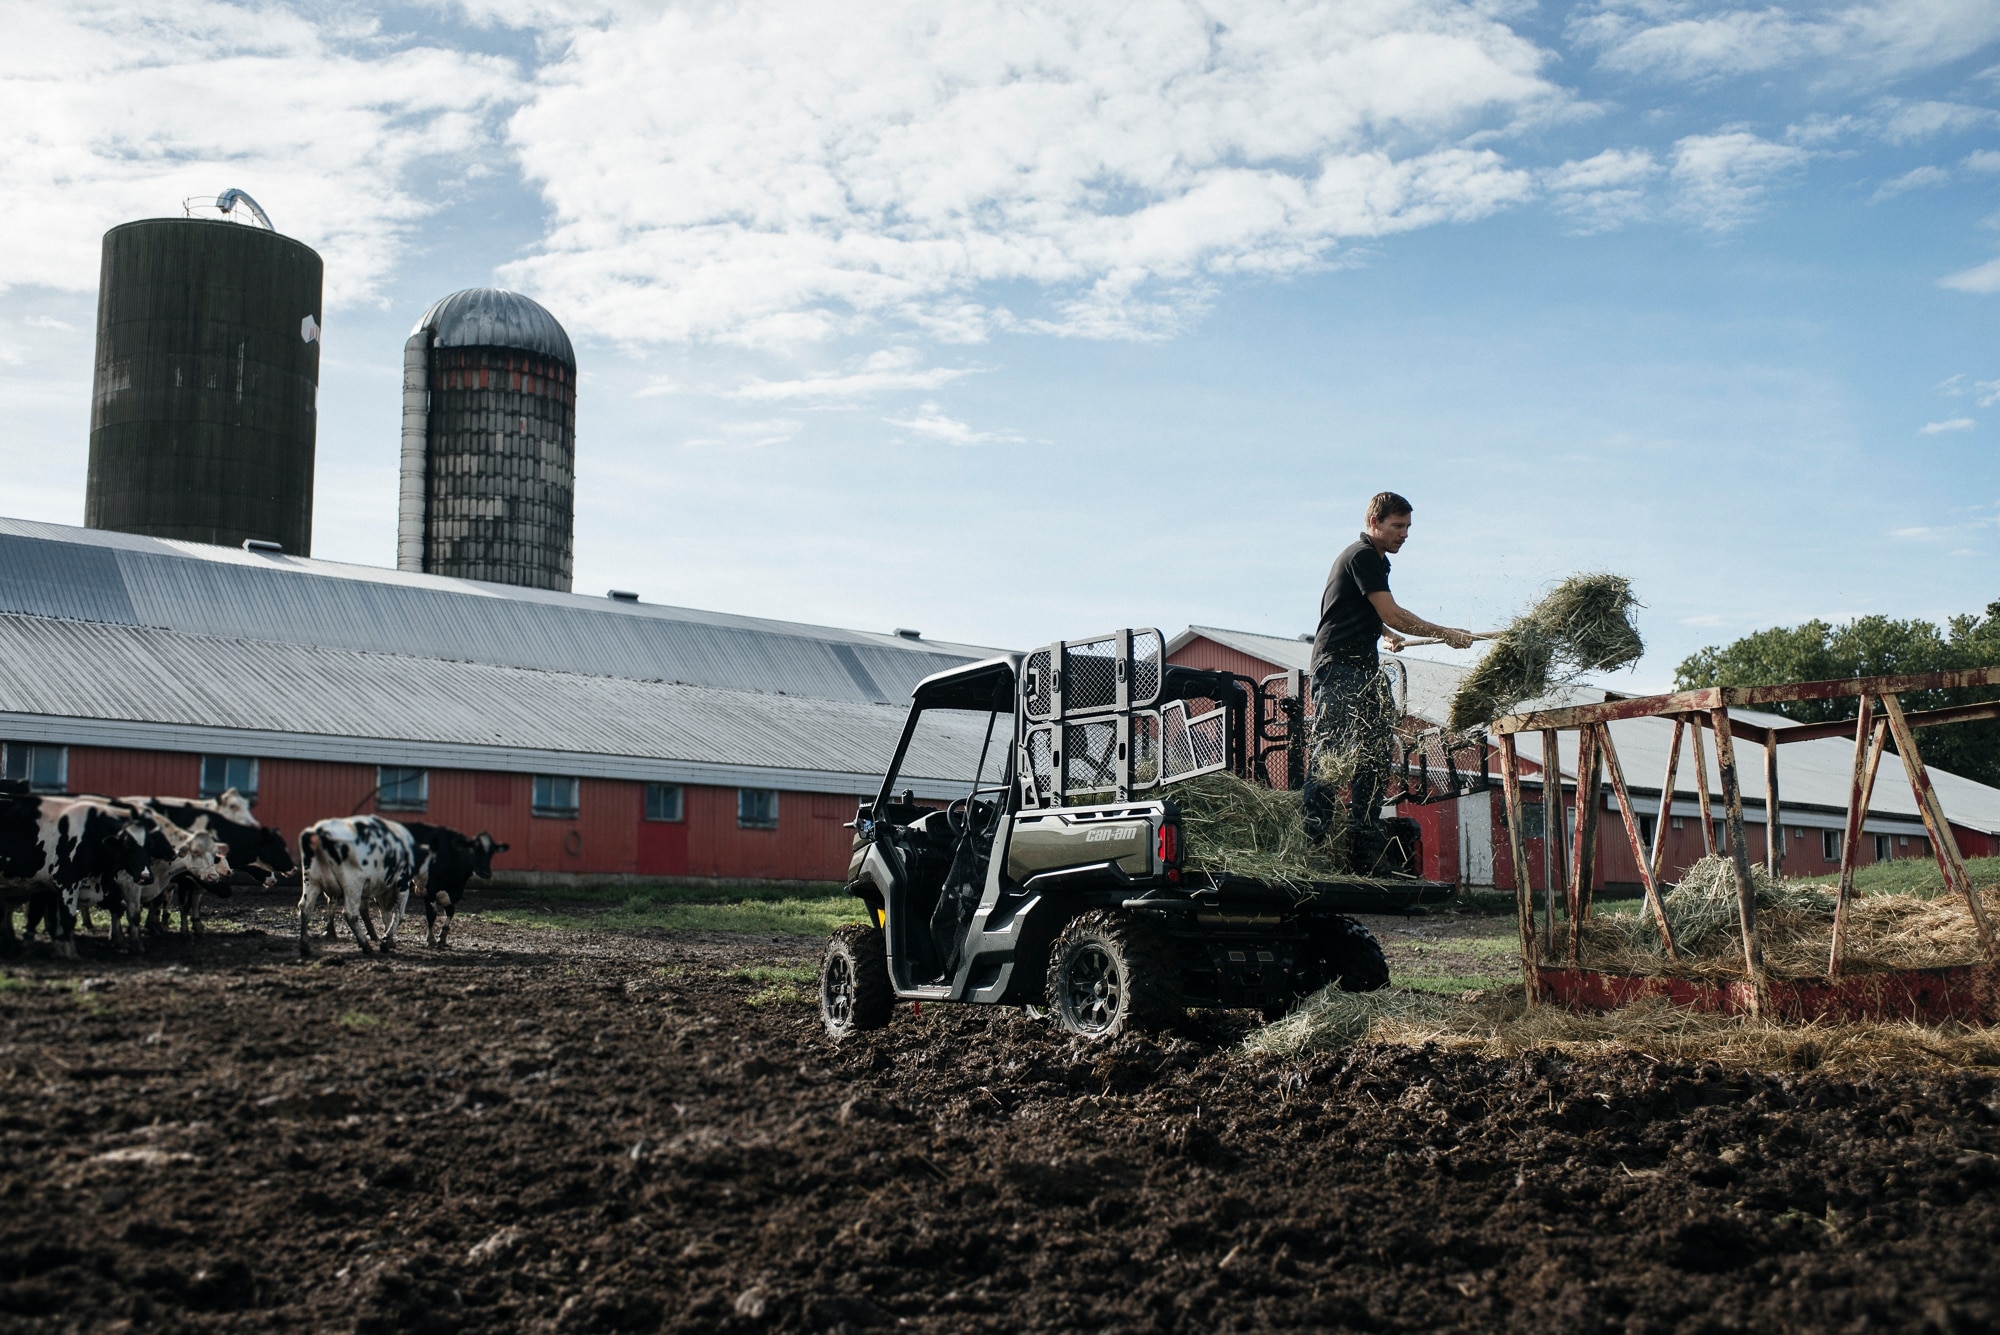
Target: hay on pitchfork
1583	624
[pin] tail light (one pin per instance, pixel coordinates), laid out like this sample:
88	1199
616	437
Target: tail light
1169	844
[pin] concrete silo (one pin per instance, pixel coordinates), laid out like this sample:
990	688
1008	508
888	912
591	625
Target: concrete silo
489	443
204	408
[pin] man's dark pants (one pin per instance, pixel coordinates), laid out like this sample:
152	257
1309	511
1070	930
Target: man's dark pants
1353	714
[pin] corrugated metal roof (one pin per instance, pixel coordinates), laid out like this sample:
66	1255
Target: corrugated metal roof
54	570
55	669
491	317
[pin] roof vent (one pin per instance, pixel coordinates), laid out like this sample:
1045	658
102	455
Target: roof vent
622	595
263	545
909	634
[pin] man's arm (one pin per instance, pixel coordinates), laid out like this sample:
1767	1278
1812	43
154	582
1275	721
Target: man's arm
1397	617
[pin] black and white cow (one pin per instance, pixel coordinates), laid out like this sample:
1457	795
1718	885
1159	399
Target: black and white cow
200	860
454	861
353	862
246	844
61	848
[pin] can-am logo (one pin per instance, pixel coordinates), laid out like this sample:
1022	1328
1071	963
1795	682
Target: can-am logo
1107	836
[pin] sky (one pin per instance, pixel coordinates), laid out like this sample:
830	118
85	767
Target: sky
1015	321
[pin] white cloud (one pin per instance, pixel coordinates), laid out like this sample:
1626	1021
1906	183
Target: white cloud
1989	392
771	173
746	435
1921	120
1983	279
1985	160
1867	43
1721	179
887	371
1603	192
1939	428
117	112
1918	178
931	422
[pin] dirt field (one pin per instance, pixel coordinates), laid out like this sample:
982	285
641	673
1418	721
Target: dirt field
566	1130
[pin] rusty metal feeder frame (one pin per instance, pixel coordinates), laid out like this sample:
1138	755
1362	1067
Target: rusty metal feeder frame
1880	717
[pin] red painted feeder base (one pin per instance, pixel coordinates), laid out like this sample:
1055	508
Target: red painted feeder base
1969	993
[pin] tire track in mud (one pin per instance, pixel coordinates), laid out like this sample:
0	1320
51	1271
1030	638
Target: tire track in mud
559	1131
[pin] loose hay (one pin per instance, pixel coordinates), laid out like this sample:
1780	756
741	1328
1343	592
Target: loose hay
1794	927
1230	826
1502	1024
1583	624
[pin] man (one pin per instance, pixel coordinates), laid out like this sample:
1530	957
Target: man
1353	713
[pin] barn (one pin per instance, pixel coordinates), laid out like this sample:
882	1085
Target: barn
1464	839
602	738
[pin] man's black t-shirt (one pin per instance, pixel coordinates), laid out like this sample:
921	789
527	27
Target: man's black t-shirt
1349	625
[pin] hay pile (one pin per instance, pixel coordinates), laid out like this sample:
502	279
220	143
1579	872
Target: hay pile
1230	826
1501	1024
1794	926
1583	624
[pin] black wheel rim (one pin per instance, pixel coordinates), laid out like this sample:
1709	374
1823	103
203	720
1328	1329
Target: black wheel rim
836	993
1091	992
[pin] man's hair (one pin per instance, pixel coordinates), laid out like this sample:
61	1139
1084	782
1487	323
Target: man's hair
1385	503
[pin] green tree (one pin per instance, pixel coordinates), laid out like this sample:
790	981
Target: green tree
1867	647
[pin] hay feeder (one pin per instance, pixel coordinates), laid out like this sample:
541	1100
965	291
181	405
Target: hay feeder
1550	951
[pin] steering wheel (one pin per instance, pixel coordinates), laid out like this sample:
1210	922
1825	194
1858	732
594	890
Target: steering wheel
957	816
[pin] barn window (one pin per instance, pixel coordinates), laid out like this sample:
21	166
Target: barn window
398	788
757	808
220	773
1883	851
663	801
45	769
1647	824
1829	845
555	795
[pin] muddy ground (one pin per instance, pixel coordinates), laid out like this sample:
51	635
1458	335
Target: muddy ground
546	1130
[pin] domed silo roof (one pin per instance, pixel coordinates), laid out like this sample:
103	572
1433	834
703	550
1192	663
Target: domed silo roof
488	317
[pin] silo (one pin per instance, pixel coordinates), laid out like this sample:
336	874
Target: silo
204	408
489	442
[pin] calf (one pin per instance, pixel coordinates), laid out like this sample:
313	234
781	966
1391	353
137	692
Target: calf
62	848
353	862
454	861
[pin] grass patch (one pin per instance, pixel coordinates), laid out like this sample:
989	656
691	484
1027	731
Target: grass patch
9	983
773	973
359	1020
790	916
780	994
1913	876
707	892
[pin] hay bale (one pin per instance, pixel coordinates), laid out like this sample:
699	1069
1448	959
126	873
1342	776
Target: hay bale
1583	624
1230	826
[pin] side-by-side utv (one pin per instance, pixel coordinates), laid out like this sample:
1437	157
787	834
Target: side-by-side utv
1056	877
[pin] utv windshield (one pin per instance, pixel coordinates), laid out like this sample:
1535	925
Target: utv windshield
950	750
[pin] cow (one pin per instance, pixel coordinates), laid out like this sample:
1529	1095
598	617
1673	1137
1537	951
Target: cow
245	843
200	859
352	862
454	861
59	849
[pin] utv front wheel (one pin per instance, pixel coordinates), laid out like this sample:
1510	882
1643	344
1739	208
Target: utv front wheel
1109	975
854	991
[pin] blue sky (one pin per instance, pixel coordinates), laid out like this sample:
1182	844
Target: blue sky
1010	321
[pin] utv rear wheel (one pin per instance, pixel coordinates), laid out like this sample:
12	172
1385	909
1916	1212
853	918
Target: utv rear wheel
1110	975
854	991
1349	955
